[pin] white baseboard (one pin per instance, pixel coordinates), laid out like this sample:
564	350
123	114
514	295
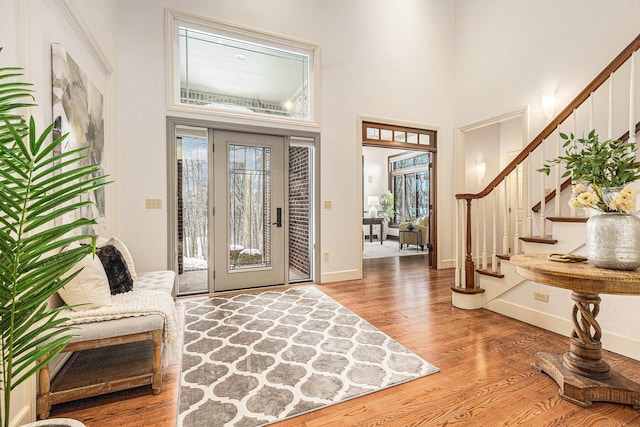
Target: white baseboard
447	263
338	276
618	344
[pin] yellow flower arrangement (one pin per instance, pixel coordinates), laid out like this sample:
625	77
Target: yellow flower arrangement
605	166
584	197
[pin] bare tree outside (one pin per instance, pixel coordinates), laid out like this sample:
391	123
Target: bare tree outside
249	210
195	189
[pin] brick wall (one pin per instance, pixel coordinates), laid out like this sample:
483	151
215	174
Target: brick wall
180	219
299	181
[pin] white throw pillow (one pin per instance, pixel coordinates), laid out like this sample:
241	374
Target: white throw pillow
120	246
90	288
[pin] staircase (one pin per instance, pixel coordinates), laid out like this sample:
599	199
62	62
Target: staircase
544	221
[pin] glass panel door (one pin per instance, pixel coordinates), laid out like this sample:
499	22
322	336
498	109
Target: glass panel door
249	205
192	172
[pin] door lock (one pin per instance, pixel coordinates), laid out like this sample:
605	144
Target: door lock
278	222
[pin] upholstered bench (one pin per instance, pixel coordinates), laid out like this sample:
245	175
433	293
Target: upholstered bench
117	346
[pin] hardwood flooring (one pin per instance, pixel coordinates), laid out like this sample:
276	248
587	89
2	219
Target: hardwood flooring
485	376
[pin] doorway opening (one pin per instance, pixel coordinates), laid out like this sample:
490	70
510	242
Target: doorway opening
244	211
398	190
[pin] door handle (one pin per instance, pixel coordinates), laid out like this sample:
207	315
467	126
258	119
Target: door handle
278	222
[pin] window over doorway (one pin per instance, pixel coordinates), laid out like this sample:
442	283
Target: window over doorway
220	68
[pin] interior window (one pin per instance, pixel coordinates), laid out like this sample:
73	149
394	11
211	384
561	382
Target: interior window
227	69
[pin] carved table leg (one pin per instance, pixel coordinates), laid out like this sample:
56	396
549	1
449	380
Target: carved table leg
582	374
585	349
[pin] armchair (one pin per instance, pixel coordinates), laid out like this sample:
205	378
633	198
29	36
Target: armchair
420	238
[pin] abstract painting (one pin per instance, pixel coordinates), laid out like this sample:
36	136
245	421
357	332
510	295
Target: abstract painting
78	112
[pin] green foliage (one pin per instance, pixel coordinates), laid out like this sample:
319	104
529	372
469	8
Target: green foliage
603	164
39	185
386	205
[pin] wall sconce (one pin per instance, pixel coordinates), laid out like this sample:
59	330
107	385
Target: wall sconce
549	104
373	201
481	169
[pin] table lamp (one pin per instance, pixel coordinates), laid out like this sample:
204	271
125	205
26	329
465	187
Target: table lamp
373	201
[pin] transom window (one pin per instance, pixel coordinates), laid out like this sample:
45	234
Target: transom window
401	136
226	69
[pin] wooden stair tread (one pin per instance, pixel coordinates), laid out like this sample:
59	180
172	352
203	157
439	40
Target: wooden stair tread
503	256
567	219
545	239
490	273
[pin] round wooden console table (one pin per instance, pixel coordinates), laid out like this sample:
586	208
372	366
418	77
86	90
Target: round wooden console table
582	374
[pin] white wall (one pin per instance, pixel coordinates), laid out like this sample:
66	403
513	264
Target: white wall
481	145
508	53
86	29
374	172
380	59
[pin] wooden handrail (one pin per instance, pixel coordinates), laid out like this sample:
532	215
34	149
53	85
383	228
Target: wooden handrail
560	118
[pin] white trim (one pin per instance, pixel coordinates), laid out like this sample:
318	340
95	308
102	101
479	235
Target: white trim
23	398
86	36
618	344
447	263
467	301
340	276
172	17
522	112
394	122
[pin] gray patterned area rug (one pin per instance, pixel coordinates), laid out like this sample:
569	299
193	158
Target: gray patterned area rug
255	359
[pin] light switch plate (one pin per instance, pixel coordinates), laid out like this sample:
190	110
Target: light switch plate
153	203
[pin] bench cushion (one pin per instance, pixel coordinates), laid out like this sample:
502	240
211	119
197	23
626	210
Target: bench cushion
116	327
157	280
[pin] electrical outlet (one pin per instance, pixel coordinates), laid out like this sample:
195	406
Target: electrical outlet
327	204
541	297
153	203
325	255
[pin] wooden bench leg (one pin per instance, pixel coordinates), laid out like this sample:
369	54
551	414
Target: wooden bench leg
156	381
43	405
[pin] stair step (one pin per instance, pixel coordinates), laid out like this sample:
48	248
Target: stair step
490	273
567	218
506	257
545	239
462	290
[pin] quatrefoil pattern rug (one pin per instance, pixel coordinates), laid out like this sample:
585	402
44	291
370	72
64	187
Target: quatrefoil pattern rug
255	359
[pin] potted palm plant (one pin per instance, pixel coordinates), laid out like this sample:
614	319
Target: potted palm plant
39	185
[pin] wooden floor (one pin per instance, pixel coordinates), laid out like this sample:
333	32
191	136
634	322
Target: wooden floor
485	376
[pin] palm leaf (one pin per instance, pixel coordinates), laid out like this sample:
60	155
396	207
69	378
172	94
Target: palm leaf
38	187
